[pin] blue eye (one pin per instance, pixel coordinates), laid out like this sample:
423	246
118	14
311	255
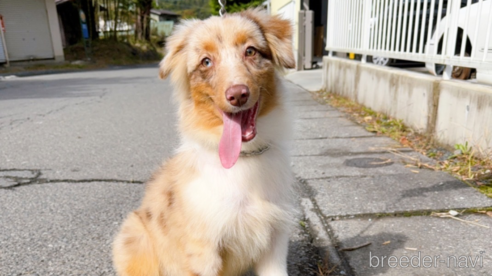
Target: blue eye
207	62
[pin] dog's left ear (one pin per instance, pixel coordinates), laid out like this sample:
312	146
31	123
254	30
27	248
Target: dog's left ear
278	34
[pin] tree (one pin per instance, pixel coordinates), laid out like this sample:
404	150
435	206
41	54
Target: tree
187	8
142	28
89	9
234	5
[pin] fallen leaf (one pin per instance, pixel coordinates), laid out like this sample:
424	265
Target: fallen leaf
404	140
386	242
447	215
489	213
411	248
453	213
368	118
414	171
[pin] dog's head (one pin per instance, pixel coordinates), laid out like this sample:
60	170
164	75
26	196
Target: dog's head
224	70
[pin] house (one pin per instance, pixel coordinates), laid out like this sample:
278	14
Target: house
309	41
287	9
163	21
163	15
68	16
32	31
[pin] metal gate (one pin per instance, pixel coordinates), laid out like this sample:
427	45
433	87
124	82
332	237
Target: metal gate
441	33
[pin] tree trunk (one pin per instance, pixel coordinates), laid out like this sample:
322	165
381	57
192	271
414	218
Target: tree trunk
106	19
90	13
143	21
138	29
116	18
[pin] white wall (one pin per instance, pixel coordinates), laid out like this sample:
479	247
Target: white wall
55	30
288	9
32	29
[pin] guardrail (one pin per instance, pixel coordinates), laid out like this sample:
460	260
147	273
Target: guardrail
441	33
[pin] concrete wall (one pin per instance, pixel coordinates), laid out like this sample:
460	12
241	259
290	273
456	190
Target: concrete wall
465	114
55	30
453	111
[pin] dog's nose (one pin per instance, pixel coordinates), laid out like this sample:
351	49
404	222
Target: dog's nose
237	95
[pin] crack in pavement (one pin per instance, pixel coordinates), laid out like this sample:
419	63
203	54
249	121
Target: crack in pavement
13	178
334	137
317	118
13	123
346	153
336	243
344	263
403	214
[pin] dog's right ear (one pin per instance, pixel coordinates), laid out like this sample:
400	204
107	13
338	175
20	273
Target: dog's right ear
278	34
175	45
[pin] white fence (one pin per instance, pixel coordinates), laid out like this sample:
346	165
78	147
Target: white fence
438	32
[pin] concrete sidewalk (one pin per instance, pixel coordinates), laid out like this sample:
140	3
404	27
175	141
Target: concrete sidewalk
369	211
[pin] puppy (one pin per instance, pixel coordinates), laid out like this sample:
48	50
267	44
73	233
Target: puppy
222	204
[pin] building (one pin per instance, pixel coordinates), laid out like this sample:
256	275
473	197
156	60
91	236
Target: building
288	9
32	30
163	21
309	41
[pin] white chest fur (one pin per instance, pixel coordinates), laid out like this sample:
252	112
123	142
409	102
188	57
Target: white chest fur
239	208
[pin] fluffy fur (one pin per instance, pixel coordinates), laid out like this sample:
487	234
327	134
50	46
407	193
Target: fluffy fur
198	218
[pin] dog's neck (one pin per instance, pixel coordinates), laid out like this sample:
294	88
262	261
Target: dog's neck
254	149
258	151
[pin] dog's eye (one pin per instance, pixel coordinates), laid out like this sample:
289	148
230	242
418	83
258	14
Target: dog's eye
250	52
206	62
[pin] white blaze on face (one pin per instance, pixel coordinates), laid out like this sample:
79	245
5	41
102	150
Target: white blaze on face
231	140
233	67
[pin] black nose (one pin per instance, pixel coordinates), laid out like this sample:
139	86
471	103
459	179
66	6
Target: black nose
237	95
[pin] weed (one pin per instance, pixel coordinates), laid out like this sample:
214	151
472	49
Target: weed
464	149
325	268
104	53
464	163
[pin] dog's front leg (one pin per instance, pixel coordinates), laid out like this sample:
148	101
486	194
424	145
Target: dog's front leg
203	258
274	262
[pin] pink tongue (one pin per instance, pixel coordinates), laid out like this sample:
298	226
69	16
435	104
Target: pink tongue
230	143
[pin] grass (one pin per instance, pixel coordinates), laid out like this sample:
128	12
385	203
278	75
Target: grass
325	269
464	162
105	53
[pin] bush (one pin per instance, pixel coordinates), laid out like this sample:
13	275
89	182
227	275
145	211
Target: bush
233	6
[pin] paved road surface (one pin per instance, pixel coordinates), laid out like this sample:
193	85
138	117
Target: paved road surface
75	149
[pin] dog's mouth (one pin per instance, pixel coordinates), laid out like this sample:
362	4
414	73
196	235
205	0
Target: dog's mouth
238	127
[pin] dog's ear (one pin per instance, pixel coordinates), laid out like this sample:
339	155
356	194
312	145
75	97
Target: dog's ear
175	45
278	34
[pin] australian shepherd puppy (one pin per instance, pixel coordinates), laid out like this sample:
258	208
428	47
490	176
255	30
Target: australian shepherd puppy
222	204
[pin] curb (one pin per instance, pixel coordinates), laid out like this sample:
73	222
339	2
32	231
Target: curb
63	71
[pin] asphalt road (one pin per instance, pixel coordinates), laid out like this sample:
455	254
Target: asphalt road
75	150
